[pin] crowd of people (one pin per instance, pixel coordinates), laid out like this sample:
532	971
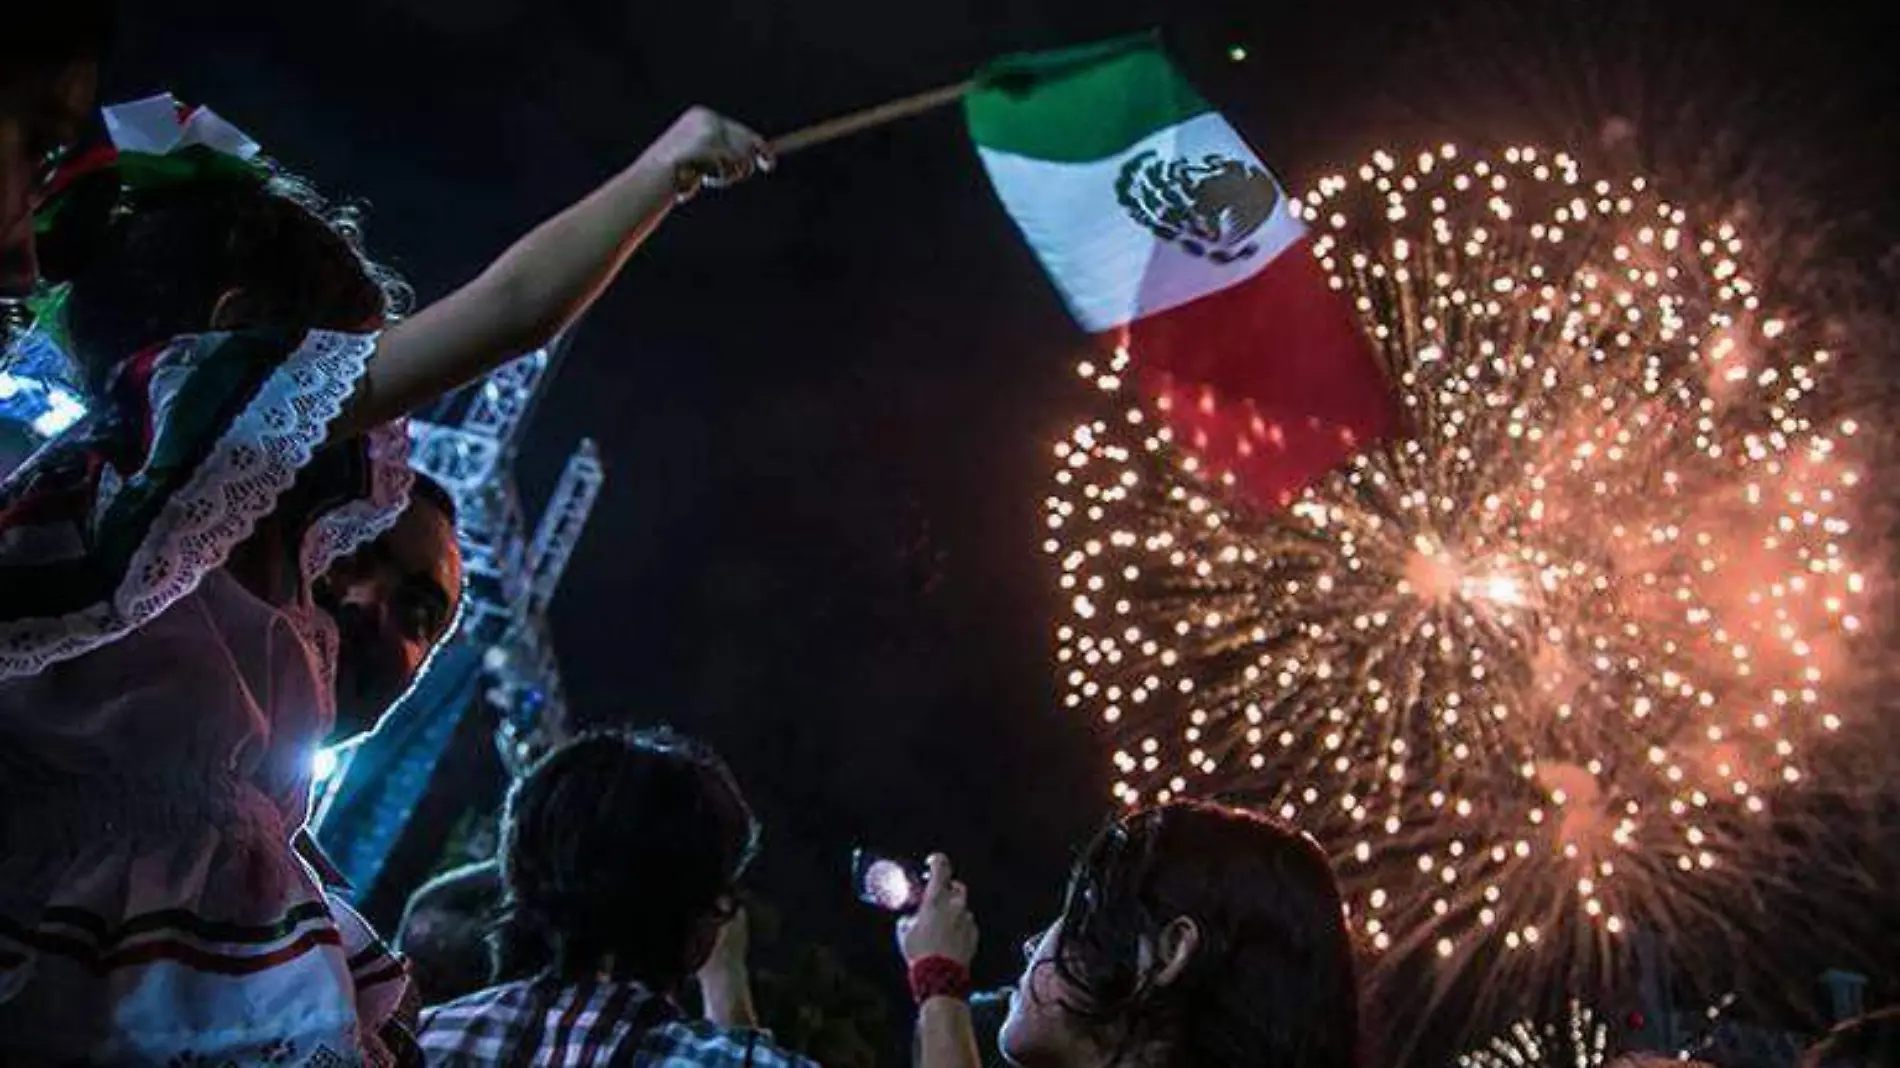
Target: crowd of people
1191	934
228	561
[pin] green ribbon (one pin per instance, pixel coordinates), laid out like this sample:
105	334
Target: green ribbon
47	309
141	171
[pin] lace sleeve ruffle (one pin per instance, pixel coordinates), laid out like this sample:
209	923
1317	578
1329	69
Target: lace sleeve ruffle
346	528
227	486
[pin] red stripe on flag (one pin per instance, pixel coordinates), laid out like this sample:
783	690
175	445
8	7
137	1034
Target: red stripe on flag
1271	379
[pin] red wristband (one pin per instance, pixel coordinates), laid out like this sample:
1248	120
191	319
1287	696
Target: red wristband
938	977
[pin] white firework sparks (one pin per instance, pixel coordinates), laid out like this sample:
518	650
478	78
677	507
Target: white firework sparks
1581	1042
1534	668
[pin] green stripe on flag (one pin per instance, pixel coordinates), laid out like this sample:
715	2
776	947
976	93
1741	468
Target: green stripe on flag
1076	105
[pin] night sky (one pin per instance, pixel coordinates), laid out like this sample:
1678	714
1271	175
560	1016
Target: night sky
826	400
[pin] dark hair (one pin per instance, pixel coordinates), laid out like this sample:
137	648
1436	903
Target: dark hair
444	928
426	488
151	265
50	35
617	848
1871	1040
1271	982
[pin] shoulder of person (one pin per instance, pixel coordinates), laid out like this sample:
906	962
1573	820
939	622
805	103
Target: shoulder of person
260	345
481	1003
201	380
682	1042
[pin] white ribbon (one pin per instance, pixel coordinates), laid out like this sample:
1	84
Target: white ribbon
152	126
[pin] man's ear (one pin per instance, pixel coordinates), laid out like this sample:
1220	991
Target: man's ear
226	313
1175	949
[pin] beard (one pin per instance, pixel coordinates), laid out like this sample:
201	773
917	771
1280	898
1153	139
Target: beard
367	681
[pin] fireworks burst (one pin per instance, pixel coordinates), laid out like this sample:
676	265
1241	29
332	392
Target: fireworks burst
1580	1043
1534	668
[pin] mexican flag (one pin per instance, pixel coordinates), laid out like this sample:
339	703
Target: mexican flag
1165	233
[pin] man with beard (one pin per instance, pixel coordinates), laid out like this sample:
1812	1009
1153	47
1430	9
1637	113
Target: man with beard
393	601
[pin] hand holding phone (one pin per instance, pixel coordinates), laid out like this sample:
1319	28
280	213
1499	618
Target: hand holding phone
886	882
943	925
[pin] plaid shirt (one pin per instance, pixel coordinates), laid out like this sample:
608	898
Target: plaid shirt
593	1024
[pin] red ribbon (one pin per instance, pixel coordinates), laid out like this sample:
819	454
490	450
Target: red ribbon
94	159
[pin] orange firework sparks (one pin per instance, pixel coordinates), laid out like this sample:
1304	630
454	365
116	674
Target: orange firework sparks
1534	668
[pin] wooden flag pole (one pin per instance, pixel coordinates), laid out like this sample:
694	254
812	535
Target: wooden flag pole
869	118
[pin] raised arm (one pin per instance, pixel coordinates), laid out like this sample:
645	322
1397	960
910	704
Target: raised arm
548	278
942	935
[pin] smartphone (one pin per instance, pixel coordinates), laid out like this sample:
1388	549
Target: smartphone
886	882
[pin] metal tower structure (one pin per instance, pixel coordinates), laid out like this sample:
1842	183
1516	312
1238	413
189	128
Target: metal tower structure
501	657
511	575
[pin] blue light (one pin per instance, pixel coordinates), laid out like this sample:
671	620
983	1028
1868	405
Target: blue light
323	764
62	410
35	390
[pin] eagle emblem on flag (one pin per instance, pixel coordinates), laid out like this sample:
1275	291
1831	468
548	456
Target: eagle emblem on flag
1211	206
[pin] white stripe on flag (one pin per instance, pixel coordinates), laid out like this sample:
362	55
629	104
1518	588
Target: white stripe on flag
1110	268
